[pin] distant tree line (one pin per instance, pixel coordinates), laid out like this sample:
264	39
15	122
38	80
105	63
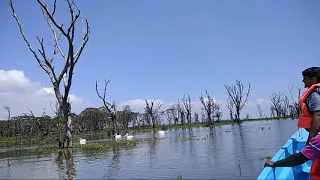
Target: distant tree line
113	121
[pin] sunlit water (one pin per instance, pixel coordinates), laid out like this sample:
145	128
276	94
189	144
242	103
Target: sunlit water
225	152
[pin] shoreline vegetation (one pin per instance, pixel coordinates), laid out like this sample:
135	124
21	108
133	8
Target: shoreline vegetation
44	145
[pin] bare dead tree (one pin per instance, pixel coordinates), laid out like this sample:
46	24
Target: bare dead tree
152	110
217	112
276	103
272	110
71	57
230	106
171	114
295	100
32	118
109	106
36	124
187	105
127	117
55	109
209	106
260	110
285	108
8	117
8	109
181	113
140	119
160	117
203	115
196	117
238	96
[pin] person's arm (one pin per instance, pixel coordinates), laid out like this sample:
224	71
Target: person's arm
291	161
315	125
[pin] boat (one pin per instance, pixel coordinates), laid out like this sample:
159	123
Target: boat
295	144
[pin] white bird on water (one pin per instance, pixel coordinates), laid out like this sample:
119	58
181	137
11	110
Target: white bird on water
82	141
128	137
161	133
117	136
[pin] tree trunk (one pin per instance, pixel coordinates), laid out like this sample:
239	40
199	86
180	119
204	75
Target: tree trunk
238	116
210	120
113	119
153	122
231	115
67	141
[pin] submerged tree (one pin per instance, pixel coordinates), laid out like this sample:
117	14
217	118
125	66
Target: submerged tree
260	110
171	114
295	106
210	107
69	55
8	117
230	106
276	103
187	105
238	96
109	106
152	110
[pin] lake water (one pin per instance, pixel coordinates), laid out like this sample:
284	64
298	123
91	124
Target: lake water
225	152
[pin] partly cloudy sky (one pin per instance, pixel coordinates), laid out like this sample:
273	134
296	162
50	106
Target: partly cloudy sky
162	50
20	94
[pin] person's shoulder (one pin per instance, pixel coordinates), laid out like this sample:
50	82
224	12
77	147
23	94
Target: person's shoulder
313	100
314	94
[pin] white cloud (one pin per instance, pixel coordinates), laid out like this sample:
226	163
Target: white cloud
19	93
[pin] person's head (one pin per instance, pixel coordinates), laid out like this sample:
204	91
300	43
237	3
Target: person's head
311	76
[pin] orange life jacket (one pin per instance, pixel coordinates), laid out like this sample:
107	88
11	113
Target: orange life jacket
315	170
305	118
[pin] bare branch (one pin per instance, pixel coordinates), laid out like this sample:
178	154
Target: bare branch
54	32
56	110
43	66
102	96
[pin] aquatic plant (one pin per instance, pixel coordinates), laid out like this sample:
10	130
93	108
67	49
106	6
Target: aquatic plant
265	157
178	176
239	168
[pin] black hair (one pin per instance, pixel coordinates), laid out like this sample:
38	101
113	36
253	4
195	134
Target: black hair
312	72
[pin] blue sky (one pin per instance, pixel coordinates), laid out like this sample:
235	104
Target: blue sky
162	49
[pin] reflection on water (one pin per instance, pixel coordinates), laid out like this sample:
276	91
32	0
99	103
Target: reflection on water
228	152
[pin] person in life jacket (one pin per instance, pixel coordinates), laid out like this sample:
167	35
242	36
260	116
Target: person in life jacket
310	120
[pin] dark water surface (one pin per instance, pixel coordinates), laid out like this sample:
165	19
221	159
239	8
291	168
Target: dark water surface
225	152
